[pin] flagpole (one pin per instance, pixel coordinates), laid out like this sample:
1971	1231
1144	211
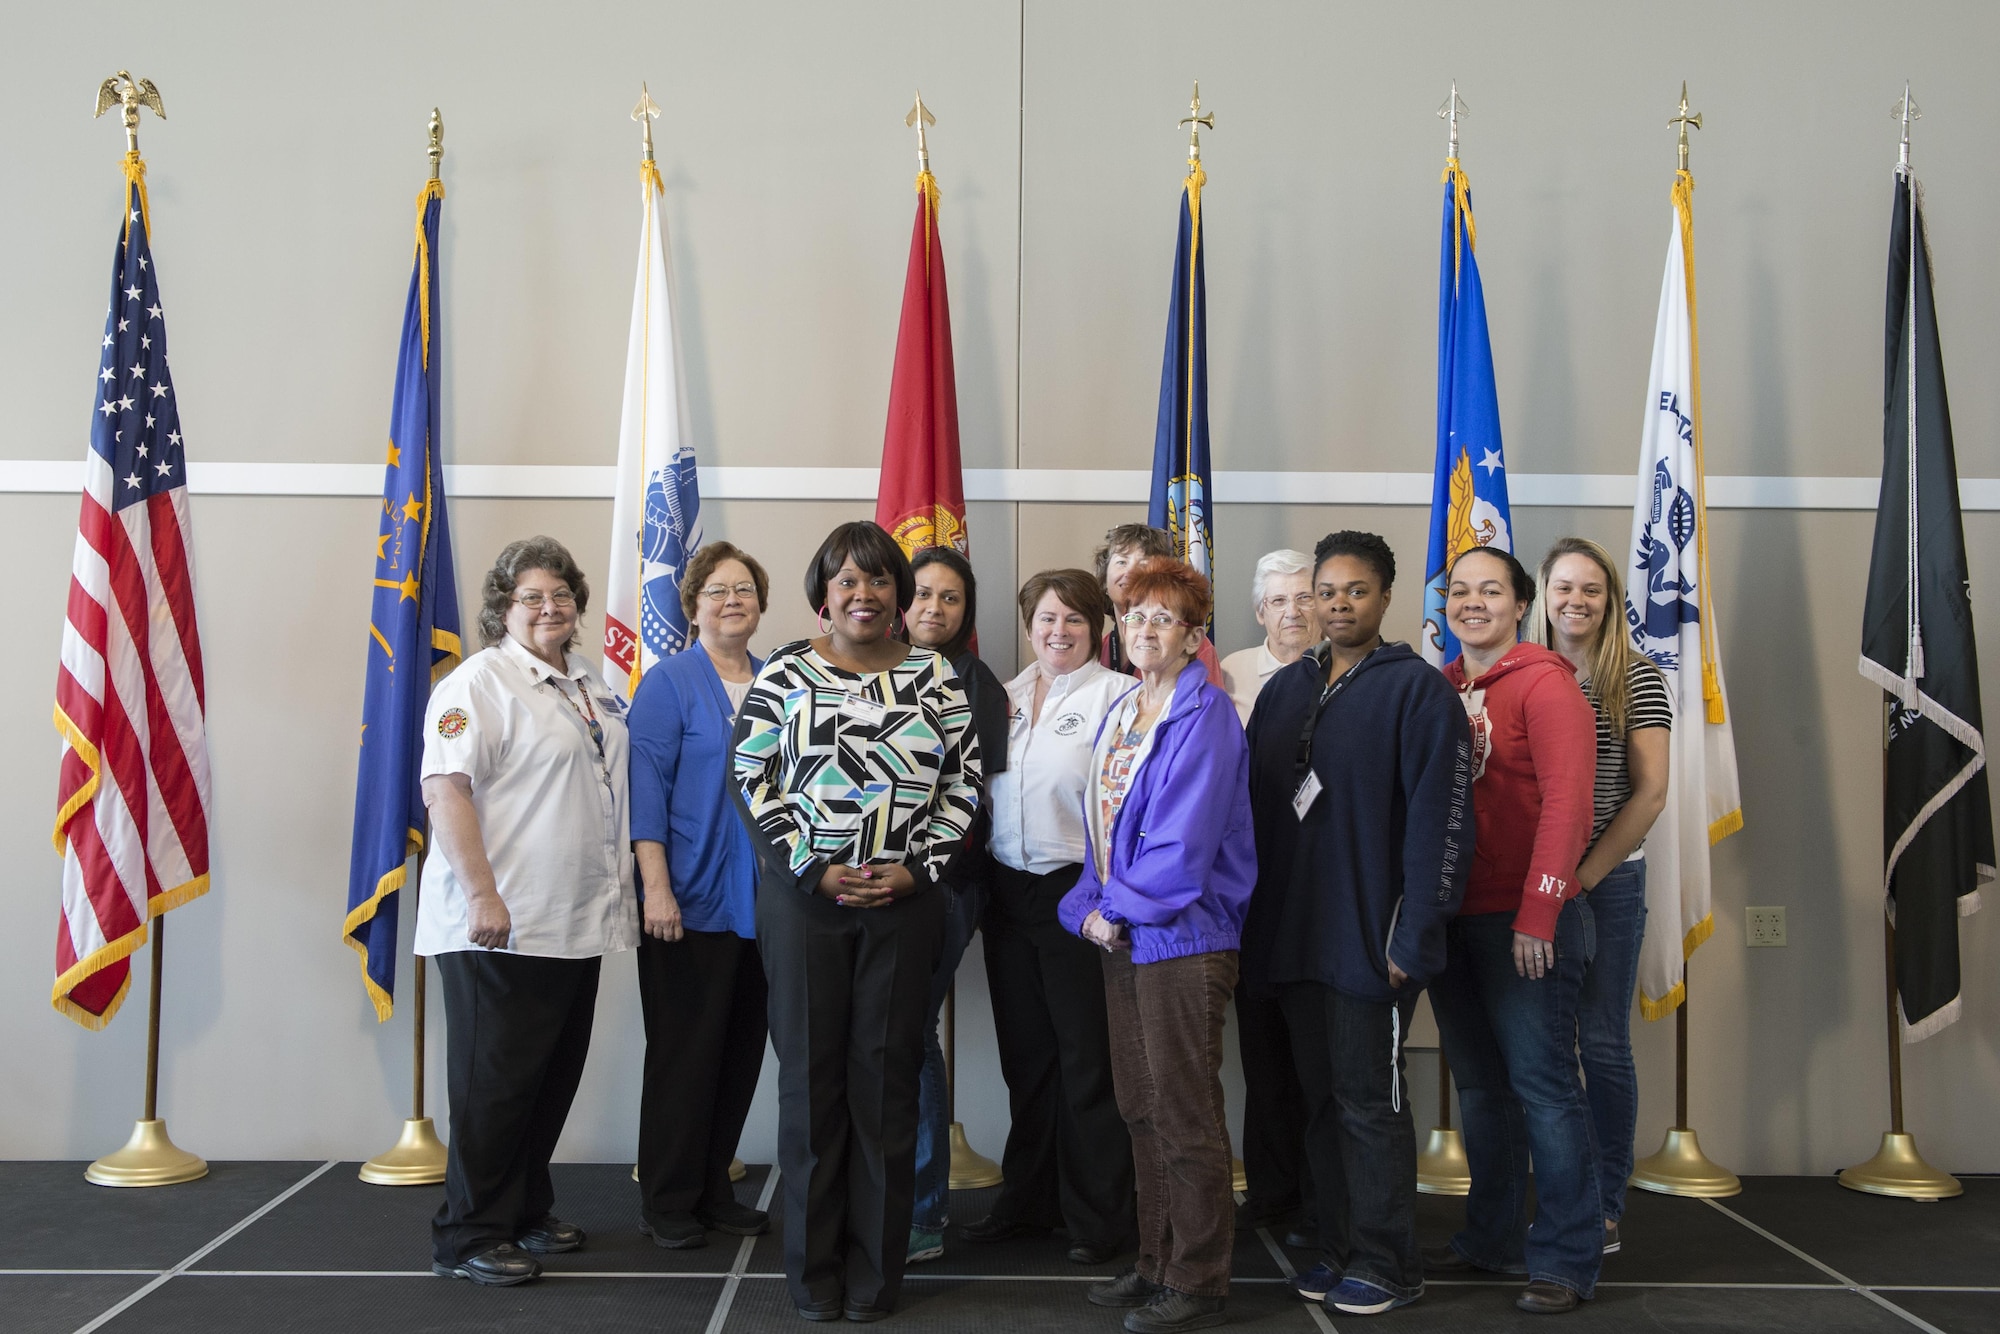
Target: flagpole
970	1169
1441	1167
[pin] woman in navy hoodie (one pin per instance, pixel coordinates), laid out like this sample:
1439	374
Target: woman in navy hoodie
1169	862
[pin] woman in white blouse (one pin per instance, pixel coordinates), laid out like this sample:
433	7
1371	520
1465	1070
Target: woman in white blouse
1068	1160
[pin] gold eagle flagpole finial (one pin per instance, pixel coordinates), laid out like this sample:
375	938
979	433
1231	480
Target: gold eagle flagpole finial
437	142
1906	111
919	117
1454	107
122	90
1684	120
646	113
1194	120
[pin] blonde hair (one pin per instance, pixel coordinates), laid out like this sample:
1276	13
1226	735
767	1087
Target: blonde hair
1610	657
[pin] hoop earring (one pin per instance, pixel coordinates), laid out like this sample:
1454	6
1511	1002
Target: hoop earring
825	620
900	627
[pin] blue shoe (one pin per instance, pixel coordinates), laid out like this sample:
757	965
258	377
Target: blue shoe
1355	1297
924	1246
1317	1282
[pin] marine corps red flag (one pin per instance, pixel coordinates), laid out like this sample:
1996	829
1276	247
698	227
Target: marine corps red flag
920	499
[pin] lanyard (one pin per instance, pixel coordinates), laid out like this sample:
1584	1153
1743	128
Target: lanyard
586	714
1302	761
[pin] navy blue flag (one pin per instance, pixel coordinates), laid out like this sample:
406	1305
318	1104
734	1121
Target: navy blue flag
1181	470
412	632
1469	486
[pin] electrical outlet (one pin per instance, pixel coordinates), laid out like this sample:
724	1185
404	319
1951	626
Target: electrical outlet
1764	926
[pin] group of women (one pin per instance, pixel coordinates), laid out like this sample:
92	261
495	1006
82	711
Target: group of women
818	834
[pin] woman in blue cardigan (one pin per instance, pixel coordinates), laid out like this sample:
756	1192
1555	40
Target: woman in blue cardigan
1168	868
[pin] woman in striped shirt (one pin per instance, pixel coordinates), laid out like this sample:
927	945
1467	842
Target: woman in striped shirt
1582	616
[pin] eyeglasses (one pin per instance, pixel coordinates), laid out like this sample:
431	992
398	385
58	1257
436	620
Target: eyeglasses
1277	602
533	598
1158	622
720	592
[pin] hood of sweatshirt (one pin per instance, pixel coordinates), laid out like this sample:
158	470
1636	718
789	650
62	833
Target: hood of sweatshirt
1518	658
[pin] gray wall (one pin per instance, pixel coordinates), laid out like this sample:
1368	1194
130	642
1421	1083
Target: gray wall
282	189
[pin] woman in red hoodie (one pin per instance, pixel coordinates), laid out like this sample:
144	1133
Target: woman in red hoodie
1506	1002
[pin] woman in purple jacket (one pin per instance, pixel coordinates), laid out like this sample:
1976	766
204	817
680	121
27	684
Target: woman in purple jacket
1168	867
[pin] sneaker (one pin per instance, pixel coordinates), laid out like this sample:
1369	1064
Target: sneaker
1128	1289
1172	1311
1317	1282
1611	1242
924	1246
1356	1297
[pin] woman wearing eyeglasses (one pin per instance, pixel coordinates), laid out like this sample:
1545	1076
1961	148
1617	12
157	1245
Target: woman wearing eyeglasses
529	885
701	983
1282	587
1169	862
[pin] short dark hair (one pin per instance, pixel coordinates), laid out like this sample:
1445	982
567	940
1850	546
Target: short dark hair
871	549
960	566
1367	547
1075	589
1517	574
1143	538
516	559
1173	583
702	564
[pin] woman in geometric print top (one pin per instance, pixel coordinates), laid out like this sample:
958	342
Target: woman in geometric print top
858	773
1581	615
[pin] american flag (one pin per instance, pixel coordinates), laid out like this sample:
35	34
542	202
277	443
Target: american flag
133	792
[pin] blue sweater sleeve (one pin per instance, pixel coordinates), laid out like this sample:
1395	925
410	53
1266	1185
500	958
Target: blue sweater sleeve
657	721
1437	831
1184	819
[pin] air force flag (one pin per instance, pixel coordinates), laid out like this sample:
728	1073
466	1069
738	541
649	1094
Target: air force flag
1672	619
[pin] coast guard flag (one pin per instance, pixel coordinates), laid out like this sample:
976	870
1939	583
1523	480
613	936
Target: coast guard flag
1671	613
1469	482
413	630
1917	644
132	789
1181	470
920	500
656	516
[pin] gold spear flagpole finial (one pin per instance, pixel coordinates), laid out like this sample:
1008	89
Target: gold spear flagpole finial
437	142
1194	120
1905	111
1453	109
646	113
1684	120
122	90
919	117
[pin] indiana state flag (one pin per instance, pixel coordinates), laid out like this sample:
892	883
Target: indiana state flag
1181	471
412	632
1469	487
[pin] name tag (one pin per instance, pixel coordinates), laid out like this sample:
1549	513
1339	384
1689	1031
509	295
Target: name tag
1308	793
862	710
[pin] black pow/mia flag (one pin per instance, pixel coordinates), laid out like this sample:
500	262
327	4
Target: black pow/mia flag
1917	644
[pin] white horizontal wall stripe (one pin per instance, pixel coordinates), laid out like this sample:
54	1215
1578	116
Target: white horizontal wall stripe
595	482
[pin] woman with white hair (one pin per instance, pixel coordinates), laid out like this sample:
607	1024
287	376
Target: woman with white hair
1282	588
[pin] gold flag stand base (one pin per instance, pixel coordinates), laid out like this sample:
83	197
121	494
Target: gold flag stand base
1898	1169
737	1171
970	1169
1441	1167
149	1158
416	1160
1681	1168
1239	1181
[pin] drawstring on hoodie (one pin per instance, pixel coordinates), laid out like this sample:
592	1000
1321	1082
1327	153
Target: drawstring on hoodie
1395	1047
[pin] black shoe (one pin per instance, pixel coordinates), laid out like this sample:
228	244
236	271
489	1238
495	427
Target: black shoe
1611	1242
1445	1259
551	1236
827	1310
995	1228
738	1220
864	1315
1300	1239
1253	1214
1128	1289
1544	1298
1173	1311
501	1267
676	1232
1092	1252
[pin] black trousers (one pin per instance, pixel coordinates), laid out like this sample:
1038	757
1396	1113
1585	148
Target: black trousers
517	1029
703	998
1068	1160
849	990
1276	1175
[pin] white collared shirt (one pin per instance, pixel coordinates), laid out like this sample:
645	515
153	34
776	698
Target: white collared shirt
552	811
1244	673
1037	803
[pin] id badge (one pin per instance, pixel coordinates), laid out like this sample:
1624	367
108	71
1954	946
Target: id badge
1308	793
862	710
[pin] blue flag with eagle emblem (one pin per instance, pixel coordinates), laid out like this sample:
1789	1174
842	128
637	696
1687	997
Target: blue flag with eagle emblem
413	633
1181	470
1469	487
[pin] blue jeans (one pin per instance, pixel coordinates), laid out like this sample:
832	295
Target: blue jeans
1604	1027
932	1212
1511	1042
